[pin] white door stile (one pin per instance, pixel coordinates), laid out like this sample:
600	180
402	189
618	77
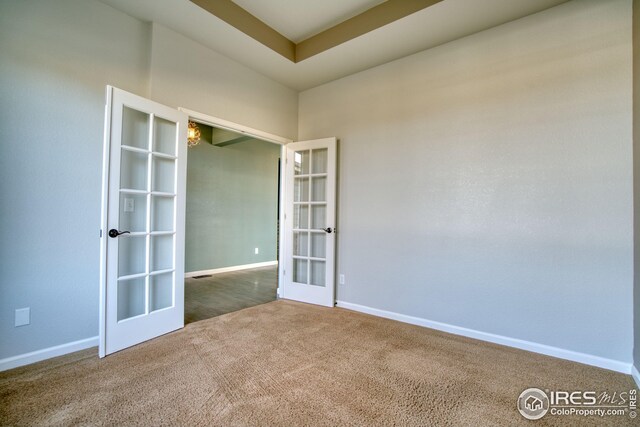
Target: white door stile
283	215
106	149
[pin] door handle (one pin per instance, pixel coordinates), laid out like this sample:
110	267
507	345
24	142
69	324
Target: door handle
327	230
115	233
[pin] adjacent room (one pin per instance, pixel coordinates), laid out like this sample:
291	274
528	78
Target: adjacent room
400	212
231	223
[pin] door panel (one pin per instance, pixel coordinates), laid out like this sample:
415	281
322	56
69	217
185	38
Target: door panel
143	268
310	184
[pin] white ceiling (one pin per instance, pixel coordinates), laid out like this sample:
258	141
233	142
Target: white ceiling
435	25
298	20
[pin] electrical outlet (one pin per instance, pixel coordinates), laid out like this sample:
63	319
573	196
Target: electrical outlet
342	279
23	316
257	251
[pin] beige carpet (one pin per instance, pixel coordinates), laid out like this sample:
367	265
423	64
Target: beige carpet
291	364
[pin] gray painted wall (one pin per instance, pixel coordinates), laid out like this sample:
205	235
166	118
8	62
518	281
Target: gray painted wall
487	183
232	195
185	73
636	179
57	58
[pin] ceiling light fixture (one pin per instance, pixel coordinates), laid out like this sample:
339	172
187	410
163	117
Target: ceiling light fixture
193	135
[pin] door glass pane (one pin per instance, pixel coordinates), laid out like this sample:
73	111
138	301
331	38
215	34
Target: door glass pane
300	243
301	216
132	255
164	136
318	242
161	252
162	213
135	128
133	170
163	175
301	162
318	215
317	273
160	291
133	212
318	185
319	161
301	189
300	270
131	298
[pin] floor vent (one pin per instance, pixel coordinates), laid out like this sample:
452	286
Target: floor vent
202	277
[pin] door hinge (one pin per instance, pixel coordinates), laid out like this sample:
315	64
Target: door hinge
101	233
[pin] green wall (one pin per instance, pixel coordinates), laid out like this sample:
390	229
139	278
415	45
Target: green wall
232	195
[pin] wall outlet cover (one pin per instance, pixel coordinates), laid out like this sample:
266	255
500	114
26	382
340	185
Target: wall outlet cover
23	316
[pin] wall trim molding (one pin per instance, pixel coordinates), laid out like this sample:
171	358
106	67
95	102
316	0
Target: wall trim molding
228	269
47	353
587	359
636	375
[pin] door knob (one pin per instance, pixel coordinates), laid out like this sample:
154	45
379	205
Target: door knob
327	230
115	233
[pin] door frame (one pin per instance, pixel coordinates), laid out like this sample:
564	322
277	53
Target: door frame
200	118
264	136
196	117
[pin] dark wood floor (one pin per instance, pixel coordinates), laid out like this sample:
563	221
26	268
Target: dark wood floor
226	292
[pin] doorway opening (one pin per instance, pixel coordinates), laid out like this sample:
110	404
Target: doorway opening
232	222
144	191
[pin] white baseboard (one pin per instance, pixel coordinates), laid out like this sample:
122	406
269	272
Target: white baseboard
587	359
228	269
636	375
47	353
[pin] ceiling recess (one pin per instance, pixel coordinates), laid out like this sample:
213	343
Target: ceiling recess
369	20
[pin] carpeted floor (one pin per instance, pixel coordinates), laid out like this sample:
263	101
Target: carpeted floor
291	364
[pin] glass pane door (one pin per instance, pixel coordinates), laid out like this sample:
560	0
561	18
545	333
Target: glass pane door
309	218
143	228
310	221
147	214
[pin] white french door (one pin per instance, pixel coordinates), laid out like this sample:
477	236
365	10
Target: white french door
142	263
309	223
